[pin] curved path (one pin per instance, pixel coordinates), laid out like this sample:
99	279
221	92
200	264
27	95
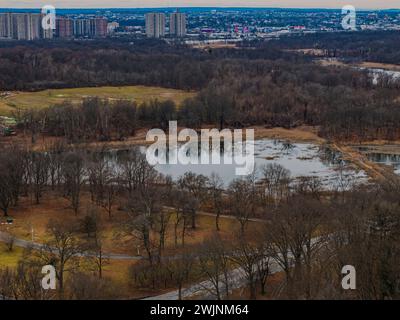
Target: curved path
38	246
113	256
204	289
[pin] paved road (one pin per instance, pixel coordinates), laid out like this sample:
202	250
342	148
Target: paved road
113	256
38	246
204	289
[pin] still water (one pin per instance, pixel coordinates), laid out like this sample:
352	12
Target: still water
302	159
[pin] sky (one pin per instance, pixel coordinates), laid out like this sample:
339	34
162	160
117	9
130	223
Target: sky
362	4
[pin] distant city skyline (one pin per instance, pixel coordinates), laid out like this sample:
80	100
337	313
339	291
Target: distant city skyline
362	4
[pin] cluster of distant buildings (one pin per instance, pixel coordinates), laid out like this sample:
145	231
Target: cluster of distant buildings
233	24
23	26
28	26
156	22
81	28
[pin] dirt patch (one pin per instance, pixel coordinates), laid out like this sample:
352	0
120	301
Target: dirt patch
309	52
299	134
377	65
331	62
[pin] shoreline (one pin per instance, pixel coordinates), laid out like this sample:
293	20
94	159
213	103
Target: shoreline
301	134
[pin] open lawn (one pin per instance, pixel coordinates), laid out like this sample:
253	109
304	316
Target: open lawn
7	258
46	98
30	217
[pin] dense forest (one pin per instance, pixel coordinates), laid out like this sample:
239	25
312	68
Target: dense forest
377	46
260	85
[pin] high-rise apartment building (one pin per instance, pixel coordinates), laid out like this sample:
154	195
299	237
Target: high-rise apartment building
79	27
90	27
35	29
20	26
6	25
28	26
177	24
100	27
64	28
155	25
83	28
47	34
23	26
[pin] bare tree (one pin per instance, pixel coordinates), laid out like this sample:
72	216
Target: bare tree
6	194
90	223
263	271
16	155
215	189
6	186
11	176
7	284
132	165
162	220
214	266
100	259
183	203
39	173
110	193
196	186
23	282
74	173
103	181
242	198
143	206
276	180
61	250
124	118
83	286
248	256
98	173
180	268
55	152
9	241
293	242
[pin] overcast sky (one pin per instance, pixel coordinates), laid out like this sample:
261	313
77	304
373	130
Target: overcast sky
374	4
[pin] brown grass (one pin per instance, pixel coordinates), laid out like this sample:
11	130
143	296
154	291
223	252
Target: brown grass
44	99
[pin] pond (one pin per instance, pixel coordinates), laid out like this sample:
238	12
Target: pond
302	159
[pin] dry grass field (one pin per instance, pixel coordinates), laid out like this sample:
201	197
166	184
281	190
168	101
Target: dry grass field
43	99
